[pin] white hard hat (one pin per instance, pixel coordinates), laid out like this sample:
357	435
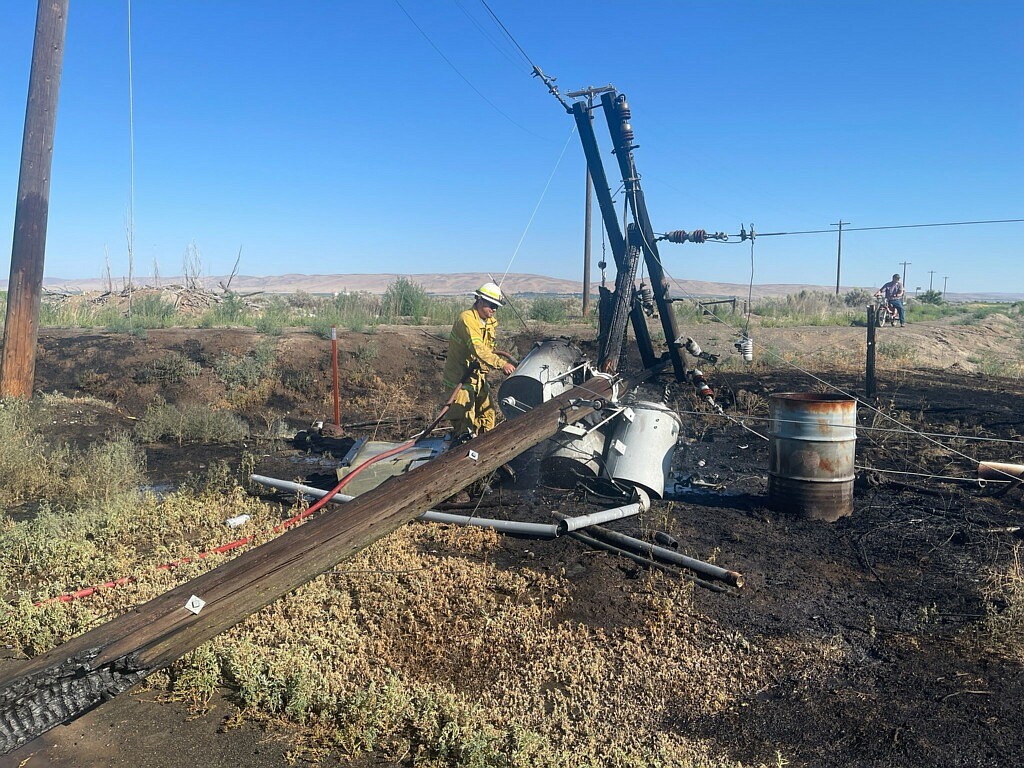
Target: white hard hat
490	293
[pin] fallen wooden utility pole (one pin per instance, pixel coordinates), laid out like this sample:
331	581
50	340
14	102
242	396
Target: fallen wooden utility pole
80	674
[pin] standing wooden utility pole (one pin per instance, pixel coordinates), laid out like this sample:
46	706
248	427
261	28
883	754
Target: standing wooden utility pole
18	367
904	263
944	279
931	275
589	92
839	255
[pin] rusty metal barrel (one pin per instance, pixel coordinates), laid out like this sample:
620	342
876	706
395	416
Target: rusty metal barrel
811	454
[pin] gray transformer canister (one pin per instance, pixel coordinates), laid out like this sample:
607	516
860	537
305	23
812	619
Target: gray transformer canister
641	446
574	454
546	372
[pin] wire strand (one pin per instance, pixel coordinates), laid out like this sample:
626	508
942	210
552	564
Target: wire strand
505	54
864	428
891	226
536	208
465	79
131	166
509	34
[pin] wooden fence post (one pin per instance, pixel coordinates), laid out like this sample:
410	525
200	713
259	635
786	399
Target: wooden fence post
869	379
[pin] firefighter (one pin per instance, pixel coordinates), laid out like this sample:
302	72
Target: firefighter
470	356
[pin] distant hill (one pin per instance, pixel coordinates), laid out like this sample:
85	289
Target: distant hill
462	283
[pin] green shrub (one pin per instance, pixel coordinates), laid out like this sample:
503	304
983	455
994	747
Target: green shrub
33	468
192	423
231	310
172	368
858	297
151	311
273	317
404	298
804	308
549	309
246	370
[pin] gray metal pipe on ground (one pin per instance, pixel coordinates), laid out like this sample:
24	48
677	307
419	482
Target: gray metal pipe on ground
590	541
569	524
566	524
668	555
547	530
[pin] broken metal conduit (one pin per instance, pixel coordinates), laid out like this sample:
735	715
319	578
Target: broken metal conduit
545	530
653	550
569	524
590	541
505	526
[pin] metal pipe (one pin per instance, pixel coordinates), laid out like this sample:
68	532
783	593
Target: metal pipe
569	524
640	559
995	470
666	540
653	550
547	530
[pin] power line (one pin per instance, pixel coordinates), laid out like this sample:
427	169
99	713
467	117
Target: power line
537	71
893	226
510	37
459	73
486	35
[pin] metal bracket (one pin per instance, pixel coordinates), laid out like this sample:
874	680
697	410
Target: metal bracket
473	455
575	430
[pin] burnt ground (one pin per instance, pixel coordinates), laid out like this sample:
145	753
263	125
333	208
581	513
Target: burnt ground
894	594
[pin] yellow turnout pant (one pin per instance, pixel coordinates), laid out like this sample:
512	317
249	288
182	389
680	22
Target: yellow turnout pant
473	409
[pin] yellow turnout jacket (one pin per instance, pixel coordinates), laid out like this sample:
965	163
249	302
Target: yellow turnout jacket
472	339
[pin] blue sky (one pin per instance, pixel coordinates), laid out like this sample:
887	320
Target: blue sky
330	137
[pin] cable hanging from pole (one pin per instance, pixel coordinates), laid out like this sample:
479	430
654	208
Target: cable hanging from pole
537	71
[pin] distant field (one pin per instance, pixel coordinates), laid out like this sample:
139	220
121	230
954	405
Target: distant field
462	283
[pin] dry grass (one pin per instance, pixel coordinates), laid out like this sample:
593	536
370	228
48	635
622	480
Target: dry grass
425	649
32	468
1004	604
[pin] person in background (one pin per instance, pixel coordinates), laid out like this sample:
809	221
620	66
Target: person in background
471	355
894	293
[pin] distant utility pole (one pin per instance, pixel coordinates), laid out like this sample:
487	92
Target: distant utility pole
944	279
839	254
21	332
589	92
931	272
905	263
